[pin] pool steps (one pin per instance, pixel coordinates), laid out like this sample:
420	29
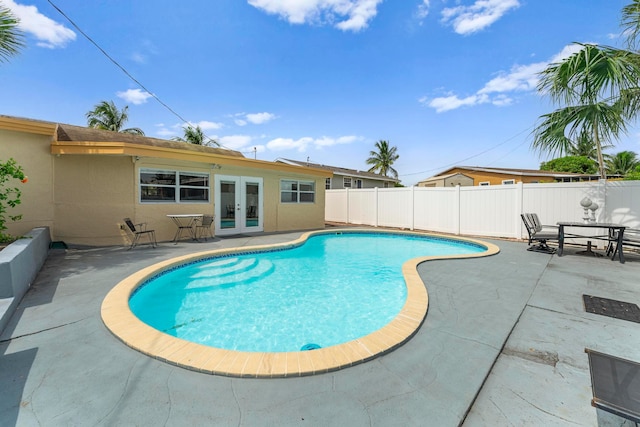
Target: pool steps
241	273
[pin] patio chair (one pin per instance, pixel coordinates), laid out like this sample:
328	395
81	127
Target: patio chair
539	233
204	227
631	237
138	230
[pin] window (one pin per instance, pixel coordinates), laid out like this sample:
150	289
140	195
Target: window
508	181
483	183
327	184
297	191
173	186
386	184
358	183
346	182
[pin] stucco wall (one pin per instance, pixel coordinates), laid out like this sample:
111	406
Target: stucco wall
83	198
32	152
92	196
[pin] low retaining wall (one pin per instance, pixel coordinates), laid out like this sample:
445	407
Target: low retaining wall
20	262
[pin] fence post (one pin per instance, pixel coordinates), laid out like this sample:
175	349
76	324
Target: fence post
456	210
413	207
348	222
375	206
602	199
518	206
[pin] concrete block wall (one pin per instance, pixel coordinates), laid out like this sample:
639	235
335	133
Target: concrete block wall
20	262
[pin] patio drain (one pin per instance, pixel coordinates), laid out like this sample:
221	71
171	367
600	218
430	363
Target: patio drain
612	308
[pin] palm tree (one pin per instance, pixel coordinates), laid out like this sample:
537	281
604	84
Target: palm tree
631	23
598	84
11	38
381	161
622	163
195	135
106	115
585	147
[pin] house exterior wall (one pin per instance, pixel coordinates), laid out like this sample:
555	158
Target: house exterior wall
83	198
496	178
337	182
32	153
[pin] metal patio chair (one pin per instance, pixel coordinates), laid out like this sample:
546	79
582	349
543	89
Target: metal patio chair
204	227
539	233
138	230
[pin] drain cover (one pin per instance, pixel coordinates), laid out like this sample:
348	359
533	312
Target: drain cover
612	308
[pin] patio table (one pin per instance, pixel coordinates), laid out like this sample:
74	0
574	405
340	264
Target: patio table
615	234
185	222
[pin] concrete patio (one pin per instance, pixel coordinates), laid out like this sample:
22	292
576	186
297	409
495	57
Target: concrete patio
503	344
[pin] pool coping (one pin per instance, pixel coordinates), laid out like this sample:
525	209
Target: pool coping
119	319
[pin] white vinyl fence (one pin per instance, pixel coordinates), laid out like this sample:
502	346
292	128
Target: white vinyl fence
492	211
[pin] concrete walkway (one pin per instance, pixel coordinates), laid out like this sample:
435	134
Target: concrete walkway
503	344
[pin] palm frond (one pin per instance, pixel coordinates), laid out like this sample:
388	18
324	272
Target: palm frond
11	37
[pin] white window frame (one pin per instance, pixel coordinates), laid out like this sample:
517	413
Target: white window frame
386	184
358	183
296	185
508	181
346	182
484	183
177	186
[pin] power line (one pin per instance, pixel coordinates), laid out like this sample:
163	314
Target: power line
124	70
473	156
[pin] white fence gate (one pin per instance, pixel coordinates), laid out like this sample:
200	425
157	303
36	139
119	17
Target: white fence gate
492	211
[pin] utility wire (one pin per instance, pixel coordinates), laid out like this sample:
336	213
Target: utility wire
475	155
124	70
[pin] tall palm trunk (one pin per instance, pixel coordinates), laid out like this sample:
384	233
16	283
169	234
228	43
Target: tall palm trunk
596	139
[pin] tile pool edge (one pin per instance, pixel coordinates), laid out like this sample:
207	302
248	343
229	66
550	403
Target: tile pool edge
118	318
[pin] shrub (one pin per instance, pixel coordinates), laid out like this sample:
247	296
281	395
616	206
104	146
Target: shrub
9	196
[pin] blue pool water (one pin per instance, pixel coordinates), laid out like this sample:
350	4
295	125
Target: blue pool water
332	289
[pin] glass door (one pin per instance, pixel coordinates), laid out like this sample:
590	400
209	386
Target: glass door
238	204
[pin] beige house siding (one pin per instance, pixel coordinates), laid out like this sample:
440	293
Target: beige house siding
83	198
32	152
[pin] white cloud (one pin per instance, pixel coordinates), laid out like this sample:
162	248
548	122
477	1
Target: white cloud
260	118
478	16
280	144
240	122
235	142
134	96
326	141
423	10
346	15
206	125
301	144
453	102
49	33
520	78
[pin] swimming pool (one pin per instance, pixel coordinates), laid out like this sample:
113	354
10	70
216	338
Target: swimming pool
213	341
332	289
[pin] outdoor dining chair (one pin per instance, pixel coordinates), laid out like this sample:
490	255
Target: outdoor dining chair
204	227
138	230
539	233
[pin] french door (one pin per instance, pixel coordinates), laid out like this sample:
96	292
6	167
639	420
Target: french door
239	204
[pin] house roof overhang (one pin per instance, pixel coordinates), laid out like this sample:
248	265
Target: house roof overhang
77	140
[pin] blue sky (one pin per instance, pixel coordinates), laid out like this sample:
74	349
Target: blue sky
448	82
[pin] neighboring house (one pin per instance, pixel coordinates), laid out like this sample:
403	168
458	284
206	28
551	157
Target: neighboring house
500	176
347	178
450	180
83	182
